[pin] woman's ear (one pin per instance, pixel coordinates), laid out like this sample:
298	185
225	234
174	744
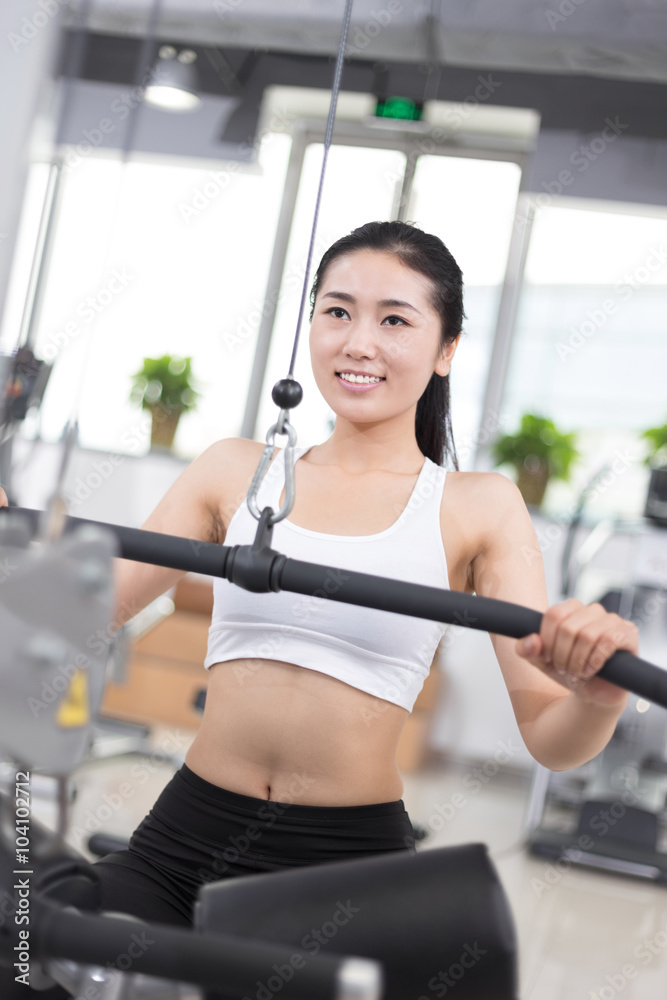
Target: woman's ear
445	359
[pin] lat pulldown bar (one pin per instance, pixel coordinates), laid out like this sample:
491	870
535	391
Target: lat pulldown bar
260	568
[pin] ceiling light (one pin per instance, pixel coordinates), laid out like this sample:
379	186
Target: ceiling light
174	85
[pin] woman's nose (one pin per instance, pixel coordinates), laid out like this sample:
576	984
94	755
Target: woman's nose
361	341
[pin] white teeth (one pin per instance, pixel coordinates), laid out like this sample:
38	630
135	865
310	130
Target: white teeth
358	378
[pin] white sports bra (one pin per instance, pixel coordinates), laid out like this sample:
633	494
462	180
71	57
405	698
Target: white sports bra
385	654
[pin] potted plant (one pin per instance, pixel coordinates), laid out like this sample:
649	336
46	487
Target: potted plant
538	451
164	386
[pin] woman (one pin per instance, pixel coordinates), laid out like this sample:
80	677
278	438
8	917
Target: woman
294	762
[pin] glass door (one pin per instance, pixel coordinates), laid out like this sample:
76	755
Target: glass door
360	187
468	201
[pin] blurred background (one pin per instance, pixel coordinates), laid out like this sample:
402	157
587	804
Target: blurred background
160	169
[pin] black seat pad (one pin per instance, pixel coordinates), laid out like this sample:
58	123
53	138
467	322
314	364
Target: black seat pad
435	919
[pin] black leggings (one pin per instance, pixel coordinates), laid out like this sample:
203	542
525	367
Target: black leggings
198	832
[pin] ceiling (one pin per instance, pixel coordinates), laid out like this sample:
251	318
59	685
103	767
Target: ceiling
577	65
623	39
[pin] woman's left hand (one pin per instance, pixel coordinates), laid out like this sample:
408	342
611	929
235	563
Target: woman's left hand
574	642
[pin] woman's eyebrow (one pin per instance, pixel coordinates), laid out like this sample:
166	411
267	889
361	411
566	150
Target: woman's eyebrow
346	297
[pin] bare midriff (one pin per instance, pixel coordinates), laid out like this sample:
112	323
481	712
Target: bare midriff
286	733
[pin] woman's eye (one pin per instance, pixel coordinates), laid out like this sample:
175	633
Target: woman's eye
338	313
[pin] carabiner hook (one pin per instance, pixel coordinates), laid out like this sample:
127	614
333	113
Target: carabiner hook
281	426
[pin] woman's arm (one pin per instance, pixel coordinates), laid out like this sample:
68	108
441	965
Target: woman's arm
565	718
191	508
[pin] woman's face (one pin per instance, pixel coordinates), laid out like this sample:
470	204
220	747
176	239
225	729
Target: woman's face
375	337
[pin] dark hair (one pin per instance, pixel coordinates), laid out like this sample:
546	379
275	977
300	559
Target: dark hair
428	255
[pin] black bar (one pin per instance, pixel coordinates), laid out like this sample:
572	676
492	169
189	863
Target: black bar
231	964
139	545
456	608
449	606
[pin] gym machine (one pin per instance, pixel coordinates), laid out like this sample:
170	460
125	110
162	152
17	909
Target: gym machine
417	917
611	813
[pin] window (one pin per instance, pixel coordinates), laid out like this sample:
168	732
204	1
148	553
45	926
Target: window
148	260
470	205
590	348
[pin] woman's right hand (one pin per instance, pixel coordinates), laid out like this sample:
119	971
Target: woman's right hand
4	502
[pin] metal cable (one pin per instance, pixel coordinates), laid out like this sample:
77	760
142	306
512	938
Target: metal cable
282	425
327	143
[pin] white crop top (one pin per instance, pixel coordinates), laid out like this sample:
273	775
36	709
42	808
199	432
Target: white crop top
385	654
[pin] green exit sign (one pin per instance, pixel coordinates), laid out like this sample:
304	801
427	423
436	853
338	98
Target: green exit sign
398	107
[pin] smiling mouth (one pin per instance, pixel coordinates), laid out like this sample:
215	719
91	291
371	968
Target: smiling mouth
352	379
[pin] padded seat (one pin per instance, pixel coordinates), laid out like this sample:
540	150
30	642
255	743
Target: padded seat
436	919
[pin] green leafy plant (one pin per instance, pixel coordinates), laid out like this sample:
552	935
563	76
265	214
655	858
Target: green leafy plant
656	437
166	383
538	437
538	451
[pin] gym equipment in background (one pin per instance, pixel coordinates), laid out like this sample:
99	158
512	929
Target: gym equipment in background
611	813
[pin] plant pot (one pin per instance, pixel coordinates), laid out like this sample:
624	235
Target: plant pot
163	428
532	480
656	501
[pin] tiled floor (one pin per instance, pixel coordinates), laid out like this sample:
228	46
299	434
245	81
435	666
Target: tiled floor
583	935
576	929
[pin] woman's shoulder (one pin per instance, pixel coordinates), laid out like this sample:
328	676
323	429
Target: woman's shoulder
475	506
484	486
232	458
231	449
484	497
